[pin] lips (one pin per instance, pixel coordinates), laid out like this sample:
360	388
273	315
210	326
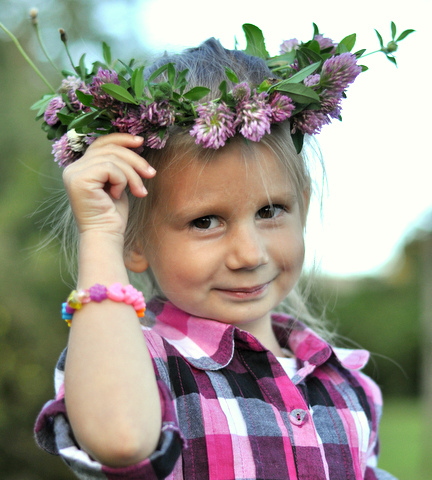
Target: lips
245	292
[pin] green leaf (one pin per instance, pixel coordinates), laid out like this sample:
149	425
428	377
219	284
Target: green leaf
171	73
158	72
380	39
181	81
68	73
255	44
41	104
123	82
84	98
302	74
106	51
315	30
314	46
82	68
393	30
359	53
404	34
84	119
305	56
298	139
54	132
348	42
137	81
231	75
284	59
128	69
197	93
119	93
224	91
392	59
298	92
99	126
164	89
341	48
65	119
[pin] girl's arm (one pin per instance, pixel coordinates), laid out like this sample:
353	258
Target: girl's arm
110	388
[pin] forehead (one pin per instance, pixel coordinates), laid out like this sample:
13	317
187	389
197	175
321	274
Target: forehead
232	172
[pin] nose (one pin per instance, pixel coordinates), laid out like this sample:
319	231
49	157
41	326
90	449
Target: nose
246	248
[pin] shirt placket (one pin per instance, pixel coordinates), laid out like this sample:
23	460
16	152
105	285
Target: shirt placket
300	428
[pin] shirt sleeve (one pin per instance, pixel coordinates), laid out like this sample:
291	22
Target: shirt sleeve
54	434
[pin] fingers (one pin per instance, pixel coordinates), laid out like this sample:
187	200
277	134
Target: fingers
124	139
114	164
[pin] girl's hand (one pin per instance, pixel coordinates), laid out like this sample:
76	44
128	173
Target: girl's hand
96	183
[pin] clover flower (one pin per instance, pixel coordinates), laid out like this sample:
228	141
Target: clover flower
254	116
310	121
69	86
281	107
77	141
339	71
331	105
158	113
100	98
62	152
129	121
288	46
312	80
68	148
325	42
214	125
156	139
54	106
241	91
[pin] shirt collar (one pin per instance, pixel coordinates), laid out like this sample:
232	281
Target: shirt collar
209	344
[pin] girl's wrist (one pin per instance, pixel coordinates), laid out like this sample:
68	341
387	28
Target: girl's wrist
101	259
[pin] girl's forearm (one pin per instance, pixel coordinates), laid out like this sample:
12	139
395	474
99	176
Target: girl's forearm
110	387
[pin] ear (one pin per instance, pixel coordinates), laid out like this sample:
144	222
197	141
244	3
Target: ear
136	261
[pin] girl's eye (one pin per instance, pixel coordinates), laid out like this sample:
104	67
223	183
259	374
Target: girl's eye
205	223
270	211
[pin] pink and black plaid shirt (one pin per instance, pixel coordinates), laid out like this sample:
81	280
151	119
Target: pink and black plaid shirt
231	412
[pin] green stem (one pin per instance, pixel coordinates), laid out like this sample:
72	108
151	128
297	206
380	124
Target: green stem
370	53
44	50
26	57
71	60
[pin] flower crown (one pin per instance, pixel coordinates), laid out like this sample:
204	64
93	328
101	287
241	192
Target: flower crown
308	82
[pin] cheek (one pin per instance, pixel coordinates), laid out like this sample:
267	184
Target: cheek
289	250
171	263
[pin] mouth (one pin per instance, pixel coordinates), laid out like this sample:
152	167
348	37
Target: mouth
245	292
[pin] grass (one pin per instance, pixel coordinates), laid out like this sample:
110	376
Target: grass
401	440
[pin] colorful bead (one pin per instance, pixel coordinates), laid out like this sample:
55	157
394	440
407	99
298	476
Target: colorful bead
97	293
74	301
115	292
67	313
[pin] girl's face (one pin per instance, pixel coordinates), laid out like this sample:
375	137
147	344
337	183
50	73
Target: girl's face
225	238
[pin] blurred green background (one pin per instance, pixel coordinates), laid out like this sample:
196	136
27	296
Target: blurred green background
387	314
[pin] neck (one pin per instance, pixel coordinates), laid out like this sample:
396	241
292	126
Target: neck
266	335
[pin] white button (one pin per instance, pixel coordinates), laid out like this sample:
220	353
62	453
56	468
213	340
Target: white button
298	416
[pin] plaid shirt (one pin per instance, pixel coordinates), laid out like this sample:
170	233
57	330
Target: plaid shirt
231	412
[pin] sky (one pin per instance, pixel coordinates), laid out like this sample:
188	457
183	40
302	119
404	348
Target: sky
378	164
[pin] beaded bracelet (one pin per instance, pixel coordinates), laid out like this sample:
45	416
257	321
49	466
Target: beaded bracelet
97	293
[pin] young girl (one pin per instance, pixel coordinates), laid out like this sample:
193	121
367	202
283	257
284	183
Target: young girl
213	384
